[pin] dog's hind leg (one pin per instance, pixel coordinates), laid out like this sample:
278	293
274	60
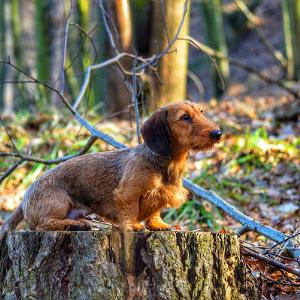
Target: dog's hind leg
48	209
66	224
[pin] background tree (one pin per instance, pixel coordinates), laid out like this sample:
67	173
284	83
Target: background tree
56	33
215	36
291	25
174	66
8	50
118	98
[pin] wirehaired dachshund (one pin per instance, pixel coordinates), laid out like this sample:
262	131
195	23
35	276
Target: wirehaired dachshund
125	186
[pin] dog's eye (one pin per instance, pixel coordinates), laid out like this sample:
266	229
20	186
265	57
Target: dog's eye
186	117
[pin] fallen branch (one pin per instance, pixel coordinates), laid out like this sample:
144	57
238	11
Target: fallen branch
272	262
248	224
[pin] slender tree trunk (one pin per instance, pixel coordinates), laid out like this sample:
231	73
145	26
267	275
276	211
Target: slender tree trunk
56	32
291	26
8	89
118	97
43	51
2	54
173	67
27	44
114	265
213	19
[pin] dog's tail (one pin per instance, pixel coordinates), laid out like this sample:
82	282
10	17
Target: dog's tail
12	222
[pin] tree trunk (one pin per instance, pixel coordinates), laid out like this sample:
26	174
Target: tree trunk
27	58
8	88
118	97
291	26
112	265
173	67
215	36
57	36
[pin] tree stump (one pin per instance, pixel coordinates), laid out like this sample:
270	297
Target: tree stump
123	265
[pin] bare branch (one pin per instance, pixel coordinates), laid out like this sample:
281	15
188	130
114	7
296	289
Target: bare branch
207	50
277	55
25	157
246	221
9	136
87	35
11	169
110	36
94	67
270	261
135	102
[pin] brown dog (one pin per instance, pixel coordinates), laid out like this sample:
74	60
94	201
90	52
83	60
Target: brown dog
124	186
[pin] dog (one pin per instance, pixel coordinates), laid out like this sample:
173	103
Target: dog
125	186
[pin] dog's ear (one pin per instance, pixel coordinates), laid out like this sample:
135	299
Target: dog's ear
156	133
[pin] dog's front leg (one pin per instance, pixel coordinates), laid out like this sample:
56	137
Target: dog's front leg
155	222
127	197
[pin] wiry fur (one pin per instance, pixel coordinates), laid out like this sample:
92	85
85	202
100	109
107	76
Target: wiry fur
125	186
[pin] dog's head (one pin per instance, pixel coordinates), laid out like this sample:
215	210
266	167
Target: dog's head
180	125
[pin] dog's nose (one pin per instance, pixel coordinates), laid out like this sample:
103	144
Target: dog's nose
216	134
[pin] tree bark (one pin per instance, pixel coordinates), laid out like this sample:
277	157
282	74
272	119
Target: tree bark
114	265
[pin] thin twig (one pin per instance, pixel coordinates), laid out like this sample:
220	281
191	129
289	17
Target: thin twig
11	169
277	55
207	50
87	35
108	32
162	5
263	274
25	157
153	60
135	102
270	261
9	136
197	83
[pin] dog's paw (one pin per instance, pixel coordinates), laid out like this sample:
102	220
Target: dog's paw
159	226
138	226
